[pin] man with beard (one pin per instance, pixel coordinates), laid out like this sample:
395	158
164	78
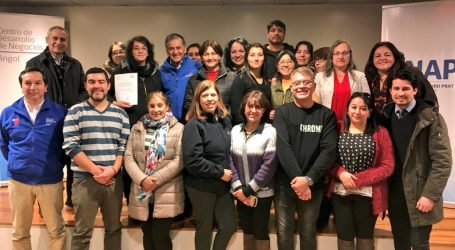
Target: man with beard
65	80
276	31
95	134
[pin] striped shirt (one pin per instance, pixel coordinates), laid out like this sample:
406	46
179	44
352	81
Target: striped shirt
102	136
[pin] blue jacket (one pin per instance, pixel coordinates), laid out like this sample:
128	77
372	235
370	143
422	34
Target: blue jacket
33	151
174	83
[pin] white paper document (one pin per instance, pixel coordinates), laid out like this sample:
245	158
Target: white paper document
126	88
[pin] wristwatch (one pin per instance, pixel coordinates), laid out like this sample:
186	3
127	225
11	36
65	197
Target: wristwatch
310	181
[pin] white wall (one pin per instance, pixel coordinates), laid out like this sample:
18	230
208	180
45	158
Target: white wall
93	29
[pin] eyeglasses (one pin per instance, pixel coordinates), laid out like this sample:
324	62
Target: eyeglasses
286	62
319	60
344	53
118	53
303	83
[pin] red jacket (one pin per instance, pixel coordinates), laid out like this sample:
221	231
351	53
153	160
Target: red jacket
375	176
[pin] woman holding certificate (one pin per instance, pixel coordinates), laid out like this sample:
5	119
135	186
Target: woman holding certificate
135	77
139	64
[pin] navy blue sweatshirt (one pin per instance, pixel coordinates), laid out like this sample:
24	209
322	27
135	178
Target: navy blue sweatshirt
205	147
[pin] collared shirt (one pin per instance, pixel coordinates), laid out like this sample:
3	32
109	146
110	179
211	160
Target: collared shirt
57	59
179	65
409	108
33	110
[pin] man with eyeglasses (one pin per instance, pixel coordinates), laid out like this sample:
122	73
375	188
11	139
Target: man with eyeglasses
306	148
65	80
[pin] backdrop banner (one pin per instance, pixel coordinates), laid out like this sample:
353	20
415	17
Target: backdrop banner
425	33
21	38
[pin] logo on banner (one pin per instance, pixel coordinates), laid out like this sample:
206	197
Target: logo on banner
437	71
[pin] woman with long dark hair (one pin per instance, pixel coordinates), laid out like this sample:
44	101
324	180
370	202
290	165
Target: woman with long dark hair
365	160
383	62
252	78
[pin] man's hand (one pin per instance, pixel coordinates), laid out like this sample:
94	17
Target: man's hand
306	195
348	180
106	176
425	204
300	185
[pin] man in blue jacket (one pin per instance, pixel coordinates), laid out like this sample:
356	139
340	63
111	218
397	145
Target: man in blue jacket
175	72
31	141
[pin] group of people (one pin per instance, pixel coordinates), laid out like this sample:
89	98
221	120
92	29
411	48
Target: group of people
268	125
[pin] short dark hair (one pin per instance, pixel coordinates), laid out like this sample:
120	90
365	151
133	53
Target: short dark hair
262	100
173	36
371	125
32	69
194	45
277	23
280	55
96	70
215	46
406	74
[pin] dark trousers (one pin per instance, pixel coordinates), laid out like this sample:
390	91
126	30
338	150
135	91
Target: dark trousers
126	185
156	232
69	181
404	235
208	207
286	205
255	220
354	217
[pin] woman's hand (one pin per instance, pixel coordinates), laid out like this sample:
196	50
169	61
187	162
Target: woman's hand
241	197
149	183
348	180
122	104
227	175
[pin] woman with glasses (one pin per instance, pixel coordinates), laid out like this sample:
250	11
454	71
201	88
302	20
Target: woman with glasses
320	59
281	83
339	79
116	54
139	60
359	190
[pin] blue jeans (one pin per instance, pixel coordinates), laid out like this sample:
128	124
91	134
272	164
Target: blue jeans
286	205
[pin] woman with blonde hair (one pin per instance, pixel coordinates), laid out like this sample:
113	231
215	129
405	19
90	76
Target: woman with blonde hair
206	145
339	80
153	160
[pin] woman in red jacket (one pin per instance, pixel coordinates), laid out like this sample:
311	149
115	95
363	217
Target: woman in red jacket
364	162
